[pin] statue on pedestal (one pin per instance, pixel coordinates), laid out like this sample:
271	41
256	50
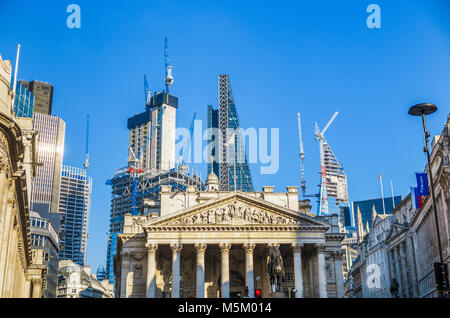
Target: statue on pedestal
275	268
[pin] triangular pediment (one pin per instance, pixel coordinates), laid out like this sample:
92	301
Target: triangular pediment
395	230
237	209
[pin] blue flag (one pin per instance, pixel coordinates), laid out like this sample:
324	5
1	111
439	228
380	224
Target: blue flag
422	183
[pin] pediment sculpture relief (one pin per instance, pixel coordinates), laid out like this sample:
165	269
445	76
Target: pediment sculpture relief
234	213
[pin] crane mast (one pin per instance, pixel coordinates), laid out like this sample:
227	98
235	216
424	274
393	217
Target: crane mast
302	157
86	161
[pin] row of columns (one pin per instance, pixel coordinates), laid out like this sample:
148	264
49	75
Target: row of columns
225	269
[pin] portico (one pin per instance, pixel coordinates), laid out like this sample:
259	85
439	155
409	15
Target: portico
221	249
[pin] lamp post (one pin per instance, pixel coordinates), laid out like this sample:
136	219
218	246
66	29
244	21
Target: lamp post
423	110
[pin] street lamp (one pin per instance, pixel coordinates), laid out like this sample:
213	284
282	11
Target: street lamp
423	110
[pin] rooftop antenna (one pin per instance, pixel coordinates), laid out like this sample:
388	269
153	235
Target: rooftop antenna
15	78
86	162
167	67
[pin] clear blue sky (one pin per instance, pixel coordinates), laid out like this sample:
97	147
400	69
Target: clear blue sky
283	57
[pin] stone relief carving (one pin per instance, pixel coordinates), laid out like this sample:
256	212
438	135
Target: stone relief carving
4	141
138	222
234	213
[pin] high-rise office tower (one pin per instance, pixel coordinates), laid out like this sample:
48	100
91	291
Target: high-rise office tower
43	94
74	205
232	169
50	148
23	102
159	153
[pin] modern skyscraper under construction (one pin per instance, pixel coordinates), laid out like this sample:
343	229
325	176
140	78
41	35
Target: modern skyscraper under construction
151	163
333	195
228	158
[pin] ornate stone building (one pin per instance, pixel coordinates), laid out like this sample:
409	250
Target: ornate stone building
411	242
216	244
422	224
18	276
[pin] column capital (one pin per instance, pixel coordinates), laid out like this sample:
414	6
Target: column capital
151	247
297	247
249	247
225	247
176	247
273	245
320	247
200	248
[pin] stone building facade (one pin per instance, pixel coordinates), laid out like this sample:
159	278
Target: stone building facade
411	241
18	276
422	224
210	244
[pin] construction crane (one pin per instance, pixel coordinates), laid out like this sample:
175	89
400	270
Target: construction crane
86	161
168	79
320	136
302	156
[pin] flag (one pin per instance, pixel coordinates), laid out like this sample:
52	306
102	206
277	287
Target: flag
422	183
416	199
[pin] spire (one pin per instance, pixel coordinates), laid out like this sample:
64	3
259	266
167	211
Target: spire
374	213
367	227
360	228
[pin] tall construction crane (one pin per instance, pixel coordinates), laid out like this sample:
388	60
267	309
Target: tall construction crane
320	136
86	161
302	156
168	79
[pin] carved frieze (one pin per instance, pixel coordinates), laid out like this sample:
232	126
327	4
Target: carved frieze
234	214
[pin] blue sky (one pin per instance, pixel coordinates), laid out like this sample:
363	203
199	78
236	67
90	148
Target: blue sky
283	57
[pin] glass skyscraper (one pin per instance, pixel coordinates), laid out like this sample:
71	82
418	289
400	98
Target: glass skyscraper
74	205
50	151
366	208
43	93
23	102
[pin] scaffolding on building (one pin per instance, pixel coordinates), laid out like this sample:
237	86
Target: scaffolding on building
232	166
148	187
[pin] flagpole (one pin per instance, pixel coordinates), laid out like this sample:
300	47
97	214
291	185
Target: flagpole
382	195
392	190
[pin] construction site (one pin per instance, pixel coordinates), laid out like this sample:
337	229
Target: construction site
151	161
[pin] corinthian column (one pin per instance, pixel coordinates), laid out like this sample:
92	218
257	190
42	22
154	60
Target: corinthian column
176	250
225	269
297	249
322	271
200	248
36	291
249	248
151	270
